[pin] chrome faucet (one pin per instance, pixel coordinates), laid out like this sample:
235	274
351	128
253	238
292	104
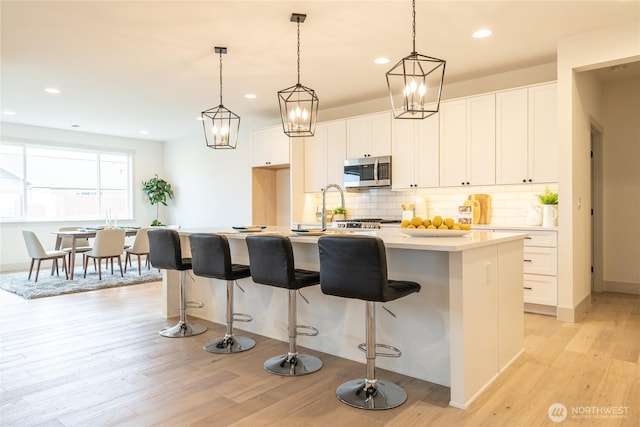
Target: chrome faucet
324	207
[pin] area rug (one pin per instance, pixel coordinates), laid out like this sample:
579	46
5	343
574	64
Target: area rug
48	286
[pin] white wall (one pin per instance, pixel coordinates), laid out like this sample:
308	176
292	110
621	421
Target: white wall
621	180
148	159
578	100
213	185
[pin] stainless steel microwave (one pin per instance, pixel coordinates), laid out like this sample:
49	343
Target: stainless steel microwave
367	172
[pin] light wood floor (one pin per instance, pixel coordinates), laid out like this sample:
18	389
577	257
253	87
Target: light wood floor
96	359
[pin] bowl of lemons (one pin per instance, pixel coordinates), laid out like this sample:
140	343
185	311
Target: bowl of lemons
433	227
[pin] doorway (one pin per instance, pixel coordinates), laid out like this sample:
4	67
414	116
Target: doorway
597	284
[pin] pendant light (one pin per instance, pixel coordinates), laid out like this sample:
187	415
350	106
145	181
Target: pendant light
221	126
415	83
298	103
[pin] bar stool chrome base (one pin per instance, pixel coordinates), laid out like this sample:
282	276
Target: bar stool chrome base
182	329
229	344
379	395
292	366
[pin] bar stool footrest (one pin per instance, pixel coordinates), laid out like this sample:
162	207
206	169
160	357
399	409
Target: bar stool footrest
313	333
194	304
242	317
395	352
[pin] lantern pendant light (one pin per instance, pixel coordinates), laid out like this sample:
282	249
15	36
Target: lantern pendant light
221	125
415	83
298	103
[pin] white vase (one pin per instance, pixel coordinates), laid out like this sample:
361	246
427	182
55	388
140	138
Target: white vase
549	215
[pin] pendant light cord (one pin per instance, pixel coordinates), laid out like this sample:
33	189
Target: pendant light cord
298	20
413	16
220	78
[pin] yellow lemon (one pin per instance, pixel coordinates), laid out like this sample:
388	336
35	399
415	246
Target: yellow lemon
465	227
421	227
405	223
426	222
456	227
411	226
431	227
443	227
437	220
448	222
416	220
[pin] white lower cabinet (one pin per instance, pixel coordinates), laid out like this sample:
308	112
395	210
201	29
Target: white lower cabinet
541	267
539	289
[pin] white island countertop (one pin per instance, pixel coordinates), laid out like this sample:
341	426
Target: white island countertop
392	237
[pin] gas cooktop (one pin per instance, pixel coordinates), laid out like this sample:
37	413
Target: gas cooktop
365	223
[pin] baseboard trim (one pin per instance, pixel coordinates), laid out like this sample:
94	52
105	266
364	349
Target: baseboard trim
575	314
547	310
621	287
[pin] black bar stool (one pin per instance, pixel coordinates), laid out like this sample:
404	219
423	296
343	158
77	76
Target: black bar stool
271	261
211	257
356	267
165	252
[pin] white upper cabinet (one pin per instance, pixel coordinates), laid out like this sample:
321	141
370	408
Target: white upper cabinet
369	136
269	147
526	139
467	141
324	155
415	153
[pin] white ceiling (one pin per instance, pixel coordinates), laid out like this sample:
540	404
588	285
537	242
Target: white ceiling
124	67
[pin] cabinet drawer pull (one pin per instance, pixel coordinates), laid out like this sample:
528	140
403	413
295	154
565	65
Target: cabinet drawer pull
528	260
528	289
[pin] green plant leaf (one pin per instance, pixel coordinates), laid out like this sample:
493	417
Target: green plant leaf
548	198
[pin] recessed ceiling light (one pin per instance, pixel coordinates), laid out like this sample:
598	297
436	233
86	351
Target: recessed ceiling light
9	113
381	60
250	96
75	126
52	90
480	34
144	132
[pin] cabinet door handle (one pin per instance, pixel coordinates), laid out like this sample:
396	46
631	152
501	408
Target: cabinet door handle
528	289
527	260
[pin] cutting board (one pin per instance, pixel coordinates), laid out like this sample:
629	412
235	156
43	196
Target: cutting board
484	200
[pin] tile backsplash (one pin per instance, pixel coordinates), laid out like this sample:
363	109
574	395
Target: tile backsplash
508	202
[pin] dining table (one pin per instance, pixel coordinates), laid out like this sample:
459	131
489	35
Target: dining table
83	233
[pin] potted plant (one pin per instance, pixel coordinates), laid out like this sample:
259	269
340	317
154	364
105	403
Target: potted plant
157	189
549	201
339	214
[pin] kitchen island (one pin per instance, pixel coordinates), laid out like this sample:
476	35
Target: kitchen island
461	330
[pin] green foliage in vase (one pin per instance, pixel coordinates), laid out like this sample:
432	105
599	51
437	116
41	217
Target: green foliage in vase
548	198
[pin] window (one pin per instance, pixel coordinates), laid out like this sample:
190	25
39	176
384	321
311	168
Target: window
46	183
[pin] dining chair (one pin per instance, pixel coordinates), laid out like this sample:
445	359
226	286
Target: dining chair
140	247
108	244
82	244
37	252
